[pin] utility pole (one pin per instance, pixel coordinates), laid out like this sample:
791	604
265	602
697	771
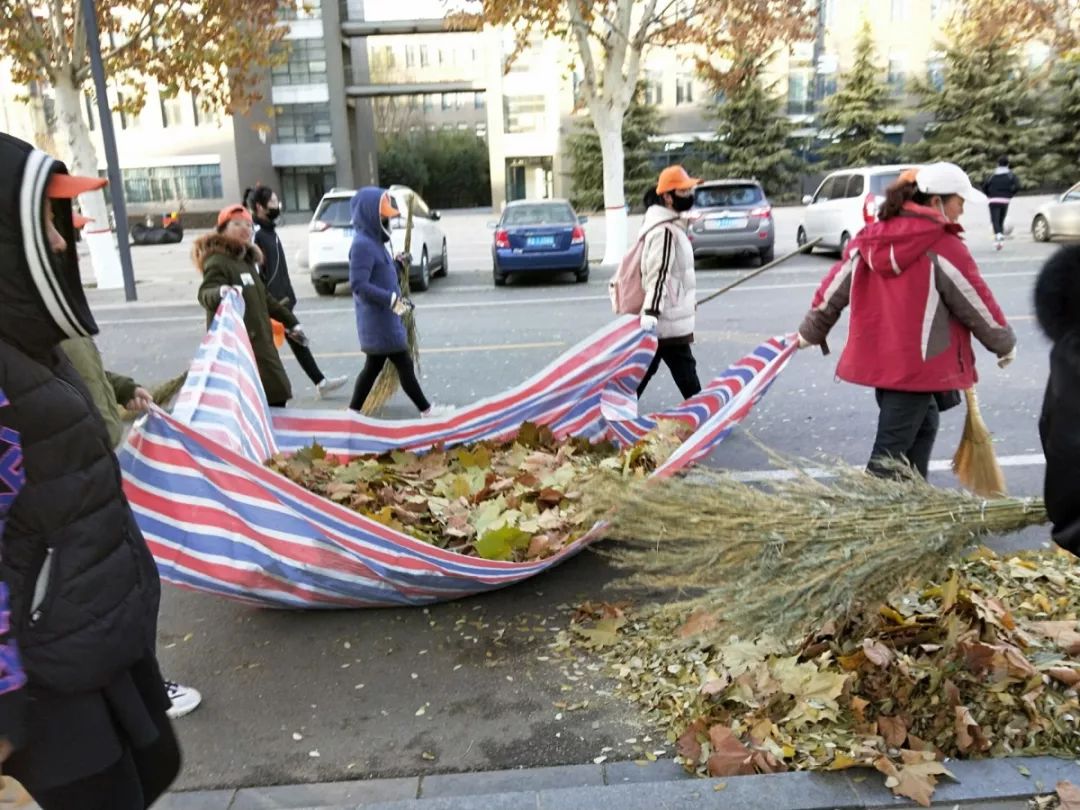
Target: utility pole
108	135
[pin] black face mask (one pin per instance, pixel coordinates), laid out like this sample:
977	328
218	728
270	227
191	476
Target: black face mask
385	229
273	213
681	204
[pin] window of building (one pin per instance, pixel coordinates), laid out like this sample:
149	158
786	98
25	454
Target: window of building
479	101
447	101
897	77
481	130
171	183
410	56
302	123
289	10
424	56
524	114
935	70
306	63
798	95
429	102
899	10
91	122
172	112
654	88
302	187
684	89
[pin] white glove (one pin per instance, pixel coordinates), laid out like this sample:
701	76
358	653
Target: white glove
297	333
648	323
225	289
1005	359
804	343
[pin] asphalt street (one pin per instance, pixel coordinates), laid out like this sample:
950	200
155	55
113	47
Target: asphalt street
472	685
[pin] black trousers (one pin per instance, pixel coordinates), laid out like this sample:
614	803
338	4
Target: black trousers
306	360
406	373
680	360
998	211
907	426
135	782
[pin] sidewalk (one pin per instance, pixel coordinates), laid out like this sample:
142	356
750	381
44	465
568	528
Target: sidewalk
987	784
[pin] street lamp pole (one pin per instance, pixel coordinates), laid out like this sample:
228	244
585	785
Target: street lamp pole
108	136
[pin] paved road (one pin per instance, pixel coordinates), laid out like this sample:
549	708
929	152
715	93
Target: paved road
294	697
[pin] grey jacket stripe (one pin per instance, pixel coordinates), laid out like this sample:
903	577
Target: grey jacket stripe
665	263
965	303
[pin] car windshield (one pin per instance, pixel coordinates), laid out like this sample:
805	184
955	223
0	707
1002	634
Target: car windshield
728	196
549	214
335	213
880	182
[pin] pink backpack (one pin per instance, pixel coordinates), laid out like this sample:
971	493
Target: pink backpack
625	290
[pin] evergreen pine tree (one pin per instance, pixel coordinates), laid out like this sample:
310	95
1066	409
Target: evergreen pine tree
752	135
642	121
855	115
1062	123
986	108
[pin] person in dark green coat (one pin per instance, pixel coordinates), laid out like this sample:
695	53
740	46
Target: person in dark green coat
228	258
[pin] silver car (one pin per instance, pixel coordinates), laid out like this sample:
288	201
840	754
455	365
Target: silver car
730	218
1058	219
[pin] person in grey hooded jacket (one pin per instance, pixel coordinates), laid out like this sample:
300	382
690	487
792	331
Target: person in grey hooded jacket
377	297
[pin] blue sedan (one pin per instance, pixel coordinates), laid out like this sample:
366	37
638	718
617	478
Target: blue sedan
539	236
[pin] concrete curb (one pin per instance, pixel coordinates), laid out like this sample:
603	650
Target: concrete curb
999	784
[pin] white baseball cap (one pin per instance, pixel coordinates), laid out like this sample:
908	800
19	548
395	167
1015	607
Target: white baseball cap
944	179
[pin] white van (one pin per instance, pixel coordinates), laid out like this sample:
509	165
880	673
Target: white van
844	203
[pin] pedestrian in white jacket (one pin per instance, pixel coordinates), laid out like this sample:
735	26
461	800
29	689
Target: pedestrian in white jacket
667	277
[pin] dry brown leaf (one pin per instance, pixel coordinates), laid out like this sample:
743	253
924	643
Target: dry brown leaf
969	735
688	745
1063	633
730	757
893	729
1067	676
877	653
1068	796
699	621
916	778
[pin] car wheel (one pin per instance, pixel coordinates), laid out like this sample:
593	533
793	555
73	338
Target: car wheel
498	278
582	274
1040	229
845	237
425	273
767	255
444	267
324	287
800	238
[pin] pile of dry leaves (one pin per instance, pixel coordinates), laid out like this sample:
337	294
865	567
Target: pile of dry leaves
984	662
514	500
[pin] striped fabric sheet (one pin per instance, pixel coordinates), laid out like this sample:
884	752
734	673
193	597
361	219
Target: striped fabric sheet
219	521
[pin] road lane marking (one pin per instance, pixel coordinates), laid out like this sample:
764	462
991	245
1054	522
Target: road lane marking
940	465
489	347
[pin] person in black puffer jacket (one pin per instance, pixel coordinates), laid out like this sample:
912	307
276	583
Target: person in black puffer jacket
274	271
1000	187
1057	306
82	703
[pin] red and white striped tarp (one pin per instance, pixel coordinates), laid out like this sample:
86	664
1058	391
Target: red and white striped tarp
218	520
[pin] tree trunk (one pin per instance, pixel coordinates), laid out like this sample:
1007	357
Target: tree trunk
609	129
82	159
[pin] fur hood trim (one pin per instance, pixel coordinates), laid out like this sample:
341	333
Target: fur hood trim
215	244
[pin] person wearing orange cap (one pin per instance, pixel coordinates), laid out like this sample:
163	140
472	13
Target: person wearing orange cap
377	297
228	258
667	277
83	706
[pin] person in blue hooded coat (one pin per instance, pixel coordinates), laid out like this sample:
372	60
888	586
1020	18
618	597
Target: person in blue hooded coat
379	304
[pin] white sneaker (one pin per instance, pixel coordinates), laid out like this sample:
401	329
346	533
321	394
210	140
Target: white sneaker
435	411
185	699
329	385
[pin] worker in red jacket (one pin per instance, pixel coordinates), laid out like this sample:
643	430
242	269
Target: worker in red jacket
916	299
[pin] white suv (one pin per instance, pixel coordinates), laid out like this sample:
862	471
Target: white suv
331	233
844	203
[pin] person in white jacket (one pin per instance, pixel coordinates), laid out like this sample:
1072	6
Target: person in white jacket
667	277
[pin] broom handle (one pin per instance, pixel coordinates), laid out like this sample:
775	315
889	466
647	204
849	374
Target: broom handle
801	249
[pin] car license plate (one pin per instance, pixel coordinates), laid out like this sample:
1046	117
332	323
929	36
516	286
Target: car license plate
725	223
540	241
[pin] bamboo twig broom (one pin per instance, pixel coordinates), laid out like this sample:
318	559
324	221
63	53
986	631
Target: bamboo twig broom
975	465
388	382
